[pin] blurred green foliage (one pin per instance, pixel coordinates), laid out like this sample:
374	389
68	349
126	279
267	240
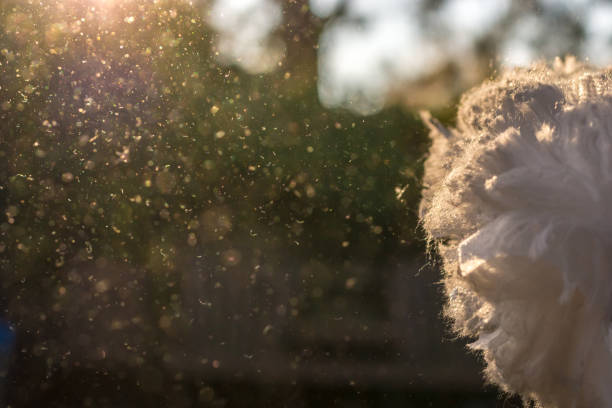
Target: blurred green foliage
130	157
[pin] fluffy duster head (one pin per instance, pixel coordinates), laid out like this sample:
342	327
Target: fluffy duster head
519	200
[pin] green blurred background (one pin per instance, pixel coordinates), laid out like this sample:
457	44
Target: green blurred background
215	203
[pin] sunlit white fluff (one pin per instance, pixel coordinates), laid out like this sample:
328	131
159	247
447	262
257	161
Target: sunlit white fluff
519	200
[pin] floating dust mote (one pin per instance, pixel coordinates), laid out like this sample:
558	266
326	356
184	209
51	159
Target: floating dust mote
518	203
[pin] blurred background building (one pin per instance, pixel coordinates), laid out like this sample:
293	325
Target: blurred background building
214	203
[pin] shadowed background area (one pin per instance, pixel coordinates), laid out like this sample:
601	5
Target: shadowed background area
214	203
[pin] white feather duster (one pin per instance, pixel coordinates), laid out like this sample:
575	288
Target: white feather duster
519	200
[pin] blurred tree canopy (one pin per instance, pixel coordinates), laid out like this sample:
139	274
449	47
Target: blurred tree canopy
136	168
424	53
